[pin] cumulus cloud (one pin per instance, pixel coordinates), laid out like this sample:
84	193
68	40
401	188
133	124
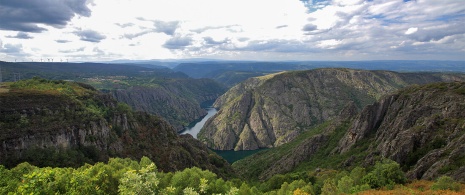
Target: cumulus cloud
15	50
333	28
21	35
166	27
26	15
90	36
411	31
211	41
309	27
178	42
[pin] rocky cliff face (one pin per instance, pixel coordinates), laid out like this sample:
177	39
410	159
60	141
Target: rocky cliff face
179	102
269	111
422	128
51	128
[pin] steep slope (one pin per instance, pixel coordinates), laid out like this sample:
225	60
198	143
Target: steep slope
157	90
271	110
420	127
56	123
177	100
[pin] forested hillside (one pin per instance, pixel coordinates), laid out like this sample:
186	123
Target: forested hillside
58	123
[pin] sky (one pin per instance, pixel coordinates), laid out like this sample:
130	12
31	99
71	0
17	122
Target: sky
264	30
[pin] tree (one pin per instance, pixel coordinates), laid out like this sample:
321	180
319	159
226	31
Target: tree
144	181
329	187
345	184
385	173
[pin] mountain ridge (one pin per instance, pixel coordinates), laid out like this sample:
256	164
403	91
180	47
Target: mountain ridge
268	111
420	127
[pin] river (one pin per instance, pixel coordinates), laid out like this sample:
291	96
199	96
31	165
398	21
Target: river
229	155
195	129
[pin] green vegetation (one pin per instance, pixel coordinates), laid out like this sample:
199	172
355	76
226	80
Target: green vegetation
125	176
68	124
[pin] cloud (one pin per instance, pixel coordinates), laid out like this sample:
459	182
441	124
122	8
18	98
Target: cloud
21	35
411	31
26	15
166	27
73	50
201	30
15	50
436	33
90	36
309	27
211	41
62	41
132	36
281	26
178	42
124	25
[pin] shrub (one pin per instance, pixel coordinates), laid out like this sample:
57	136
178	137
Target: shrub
446	183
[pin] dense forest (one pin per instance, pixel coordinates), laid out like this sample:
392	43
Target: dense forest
125	176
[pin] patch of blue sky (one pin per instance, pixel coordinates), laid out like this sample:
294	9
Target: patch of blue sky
313	5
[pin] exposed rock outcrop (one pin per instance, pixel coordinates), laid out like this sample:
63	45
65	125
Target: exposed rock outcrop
271	110
422	128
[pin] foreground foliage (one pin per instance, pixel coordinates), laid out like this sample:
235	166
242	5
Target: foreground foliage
125	176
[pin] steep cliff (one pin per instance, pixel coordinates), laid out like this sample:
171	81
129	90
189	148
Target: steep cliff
56	123
177	100
268	111
420	127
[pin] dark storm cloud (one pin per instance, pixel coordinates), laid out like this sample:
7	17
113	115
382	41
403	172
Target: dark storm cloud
166	27
178	42
21	35
25	15
90	36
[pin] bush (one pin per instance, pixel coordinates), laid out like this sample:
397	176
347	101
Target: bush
446	183
385	173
